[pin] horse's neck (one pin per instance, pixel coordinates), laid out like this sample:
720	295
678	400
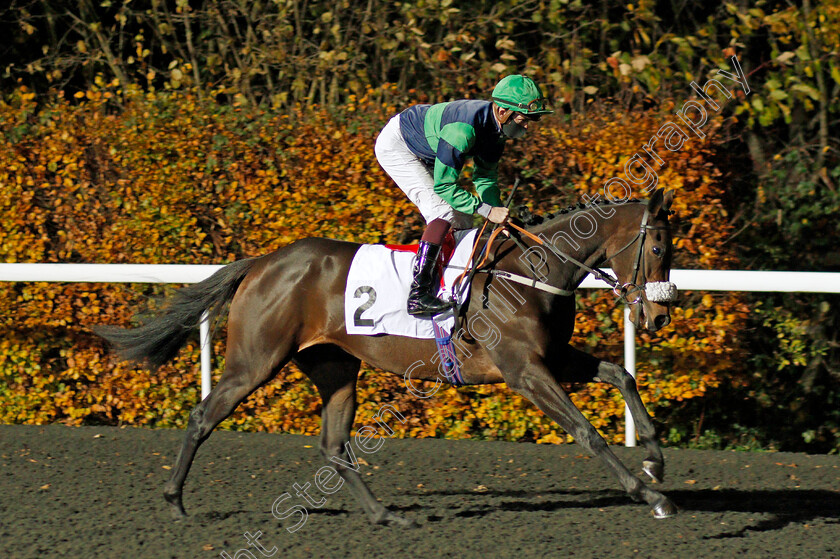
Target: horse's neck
577	240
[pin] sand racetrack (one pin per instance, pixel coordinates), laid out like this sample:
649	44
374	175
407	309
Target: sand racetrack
97	492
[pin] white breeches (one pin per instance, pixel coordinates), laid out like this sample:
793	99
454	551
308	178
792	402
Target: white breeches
414	177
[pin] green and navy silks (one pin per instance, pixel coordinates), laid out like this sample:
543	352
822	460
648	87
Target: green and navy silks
444	135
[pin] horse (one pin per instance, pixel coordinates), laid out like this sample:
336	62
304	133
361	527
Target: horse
289	306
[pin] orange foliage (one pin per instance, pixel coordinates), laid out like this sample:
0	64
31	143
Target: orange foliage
170	179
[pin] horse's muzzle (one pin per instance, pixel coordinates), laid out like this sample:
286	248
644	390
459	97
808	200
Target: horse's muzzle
661	322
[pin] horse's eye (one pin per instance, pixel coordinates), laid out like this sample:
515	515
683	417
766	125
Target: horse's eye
657	251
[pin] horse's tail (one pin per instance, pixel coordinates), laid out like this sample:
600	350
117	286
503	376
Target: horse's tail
158	340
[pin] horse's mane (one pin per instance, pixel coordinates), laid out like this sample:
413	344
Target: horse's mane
531	219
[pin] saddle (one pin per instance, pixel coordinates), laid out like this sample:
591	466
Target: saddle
447	249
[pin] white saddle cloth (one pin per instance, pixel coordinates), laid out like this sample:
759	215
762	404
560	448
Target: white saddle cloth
377	291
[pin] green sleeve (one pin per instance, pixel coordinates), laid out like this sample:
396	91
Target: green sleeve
456	139
446	186
486	181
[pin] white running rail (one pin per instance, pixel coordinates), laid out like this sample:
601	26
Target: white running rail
686	280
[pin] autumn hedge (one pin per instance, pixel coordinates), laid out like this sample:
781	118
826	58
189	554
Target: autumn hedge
167	178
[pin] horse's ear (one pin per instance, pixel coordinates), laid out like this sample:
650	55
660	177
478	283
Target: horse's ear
667	200
655	202
660	201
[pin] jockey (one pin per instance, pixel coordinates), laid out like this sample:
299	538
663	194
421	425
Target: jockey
423	150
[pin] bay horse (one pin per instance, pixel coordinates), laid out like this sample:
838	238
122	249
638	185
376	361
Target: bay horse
289	306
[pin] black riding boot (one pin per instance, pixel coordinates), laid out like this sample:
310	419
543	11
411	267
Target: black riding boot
422	300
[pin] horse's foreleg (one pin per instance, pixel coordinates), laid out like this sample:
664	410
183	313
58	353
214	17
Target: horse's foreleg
582	367
335	377
654	464
538	385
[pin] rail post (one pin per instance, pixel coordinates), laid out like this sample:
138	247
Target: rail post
206	345
630	366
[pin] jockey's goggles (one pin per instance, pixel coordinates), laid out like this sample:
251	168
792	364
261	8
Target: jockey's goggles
537	107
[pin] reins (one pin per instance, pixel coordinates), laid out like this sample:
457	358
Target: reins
622	291
596	272
486	246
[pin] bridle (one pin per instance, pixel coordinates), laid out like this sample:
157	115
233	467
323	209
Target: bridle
658	292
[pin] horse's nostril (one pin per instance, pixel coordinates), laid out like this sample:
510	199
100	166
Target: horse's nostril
662	321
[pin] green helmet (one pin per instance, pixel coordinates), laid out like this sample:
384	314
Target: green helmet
520	94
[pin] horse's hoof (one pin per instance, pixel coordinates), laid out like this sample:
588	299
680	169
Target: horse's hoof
177	512
392	519
664	509
656	470
176	506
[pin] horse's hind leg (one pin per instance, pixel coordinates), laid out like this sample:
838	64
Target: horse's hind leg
240	378
334	373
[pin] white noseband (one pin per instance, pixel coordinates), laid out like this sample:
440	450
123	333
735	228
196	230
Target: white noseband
661	292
